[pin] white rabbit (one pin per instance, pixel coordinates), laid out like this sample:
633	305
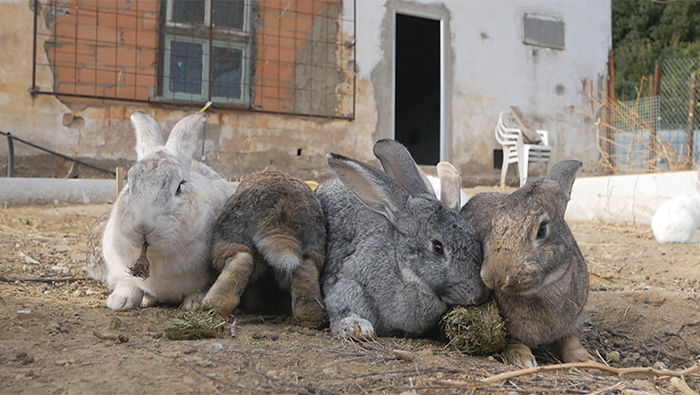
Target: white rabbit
166	214
677	220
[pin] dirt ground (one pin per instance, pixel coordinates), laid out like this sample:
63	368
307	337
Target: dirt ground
58	337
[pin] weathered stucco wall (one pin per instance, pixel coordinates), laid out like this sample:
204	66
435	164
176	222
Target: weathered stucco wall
488	68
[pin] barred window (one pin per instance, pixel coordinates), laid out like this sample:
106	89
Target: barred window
207	51
290	57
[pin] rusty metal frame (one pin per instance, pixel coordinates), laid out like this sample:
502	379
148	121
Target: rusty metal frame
35	90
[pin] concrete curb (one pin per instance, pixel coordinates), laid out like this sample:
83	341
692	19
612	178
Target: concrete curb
626	198
18	191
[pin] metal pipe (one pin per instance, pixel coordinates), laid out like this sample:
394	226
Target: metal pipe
66	157
11	156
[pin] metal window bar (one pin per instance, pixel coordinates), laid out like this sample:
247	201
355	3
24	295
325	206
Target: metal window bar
298	56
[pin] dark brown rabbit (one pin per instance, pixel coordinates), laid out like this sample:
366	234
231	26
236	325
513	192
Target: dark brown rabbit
533	264
272	229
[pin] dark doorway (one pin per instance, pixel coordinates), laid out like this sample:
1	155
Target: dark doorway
417	103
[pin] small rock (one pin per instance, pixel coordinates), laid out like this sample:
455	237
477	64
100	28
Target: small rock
274	337
61	362
258	336
24	358
201	362
190	351
217	347
60	269
613	356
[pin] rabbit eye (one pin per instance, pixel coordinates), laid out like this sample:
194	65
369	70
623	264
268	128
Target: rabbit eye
177	192
542	230
438	249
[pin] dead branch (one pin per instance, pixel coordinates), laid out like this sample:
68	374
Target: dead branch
42	279
648	371
660	373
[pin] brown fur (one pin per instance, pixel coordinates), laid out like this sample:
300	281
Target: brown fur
540	284
226	291
280	221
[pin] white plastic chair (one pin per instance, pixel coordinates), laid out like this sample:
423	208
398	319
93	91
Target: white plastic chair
515	150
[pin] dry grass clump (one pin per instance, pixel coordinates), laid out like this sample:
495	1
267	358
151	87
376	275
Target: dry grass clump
200	323
475	330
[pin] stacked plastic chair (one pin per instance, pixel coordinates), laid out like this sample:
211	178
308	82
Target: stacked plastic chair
516	148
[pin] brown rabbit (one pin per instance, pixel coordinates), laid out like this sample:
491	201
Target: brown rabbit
533	264
272	229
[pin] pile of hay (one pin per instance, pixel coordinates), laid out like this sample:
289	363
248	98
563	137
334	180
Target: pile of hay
475	330
200	323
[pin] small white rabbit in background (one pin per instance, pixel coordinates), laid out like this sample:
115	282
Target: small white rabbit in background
678	219
156	241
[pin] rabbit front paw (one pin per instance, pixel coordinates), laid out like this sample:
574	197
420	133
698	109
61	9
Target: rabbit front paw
193	301
353	327
520	355
571	350
124	297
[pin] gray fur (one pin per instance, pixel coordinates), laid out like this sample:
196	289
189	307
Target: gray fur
541	285
382	274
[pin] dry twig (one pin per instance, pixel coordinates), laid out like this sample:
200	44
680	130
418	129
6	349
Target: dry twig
658	373
110	336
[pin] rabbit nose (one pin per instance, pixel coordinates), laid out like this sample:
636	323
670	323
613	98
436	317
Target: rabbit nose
145	229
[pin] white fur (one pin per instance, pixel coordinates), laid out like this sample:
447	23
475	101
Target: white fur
677	220
178	250
352	326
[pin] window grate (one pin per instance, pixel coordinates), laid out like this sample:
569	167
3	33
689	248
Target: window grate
291	57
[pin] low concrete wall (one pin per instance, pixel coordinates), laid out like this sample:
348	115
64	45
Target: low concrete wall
627	198
19	191
25	191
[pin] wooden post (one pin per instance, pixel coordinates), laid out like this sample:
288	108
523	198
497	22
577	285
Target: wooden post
119	181
655	88
691	120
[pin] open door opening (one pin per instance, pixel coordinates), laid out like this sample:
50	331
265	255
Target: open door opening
417	83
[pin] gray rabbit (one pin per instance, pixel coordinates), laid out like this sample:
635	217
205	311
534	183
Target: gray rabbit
533	264
272	229
396	256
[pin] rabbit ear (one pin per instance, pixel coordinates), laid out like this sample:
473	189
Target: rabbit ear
184	136
564	173
426	181
399	164
366	183
148	134
450	185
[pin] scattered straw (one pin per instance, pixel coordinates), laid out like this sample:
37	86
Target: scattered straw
200	323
